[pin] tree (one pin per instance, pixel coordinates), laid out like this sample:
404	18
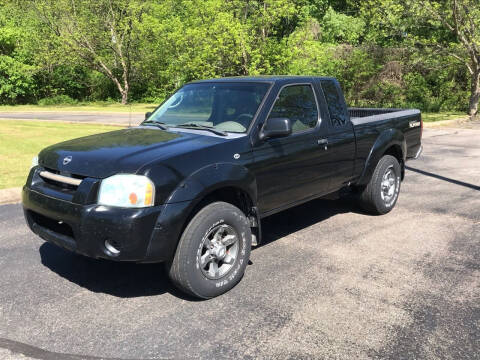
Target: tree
451	27
462	18
341	28
384	52
184	40
17	73
100	32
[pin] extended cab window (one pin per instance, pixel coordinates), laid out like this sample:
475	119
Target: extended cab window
297	102
224	106
335	104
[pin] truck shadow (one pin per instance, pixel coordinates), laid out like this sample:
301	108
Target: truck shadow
128	280
121	279
297	218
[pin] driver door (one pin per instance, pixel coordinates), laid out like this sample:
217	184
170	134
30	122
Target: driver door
291	169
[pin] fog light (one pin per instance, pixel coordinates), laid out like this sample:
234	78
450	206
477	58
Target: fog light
111	248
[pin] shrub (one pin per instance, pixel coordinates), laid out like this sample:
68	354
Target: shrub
57	100
17	84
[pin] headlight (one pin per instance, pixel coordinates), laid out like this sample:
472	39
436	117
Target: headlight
127	191
34	162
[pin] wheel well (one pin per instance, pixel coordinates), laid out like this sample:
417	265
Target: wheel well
232	195
396	151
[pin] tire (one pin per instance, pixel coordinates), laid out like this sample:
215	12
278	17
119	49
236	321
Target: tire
206	237
377	198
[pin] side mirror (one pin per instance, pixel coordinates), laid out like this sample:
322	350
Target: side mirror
276	127
147	115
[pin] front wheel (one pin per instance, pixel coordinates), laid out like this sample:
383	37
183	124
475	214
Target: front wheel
213	251
381	194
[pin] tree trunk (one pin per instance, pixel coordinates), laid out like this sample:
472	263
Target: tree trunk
123	90
124	97
475	94
126	85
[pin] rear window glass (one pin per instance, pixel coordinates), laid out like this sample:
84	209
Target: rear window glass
335	103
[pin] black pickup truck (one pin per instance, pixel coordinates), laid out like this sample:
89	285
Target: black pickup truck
189	186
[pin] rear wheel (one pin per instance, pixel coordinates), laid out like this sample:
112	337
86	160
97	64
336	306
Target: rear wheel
381	194
213	251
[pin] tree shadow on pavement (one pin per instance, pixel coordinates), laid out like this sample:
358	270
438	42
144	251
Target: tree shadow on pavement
126	280
444	178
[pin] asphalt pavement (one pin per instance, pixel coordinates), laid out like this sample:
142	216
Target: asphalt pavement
330	282
123	118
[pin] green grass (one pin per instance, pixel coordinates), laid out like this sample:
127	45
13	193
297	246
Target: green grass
431	117
90	106
20	141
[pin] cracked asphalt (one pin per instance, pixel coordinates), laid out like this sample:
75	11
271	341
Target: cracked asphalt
330	282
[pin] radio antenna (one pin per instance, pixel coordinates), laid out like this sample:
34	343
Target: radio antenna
130	116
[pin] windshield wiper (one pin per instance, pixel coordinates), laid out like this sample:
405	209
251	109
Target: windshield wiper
202	127
158	124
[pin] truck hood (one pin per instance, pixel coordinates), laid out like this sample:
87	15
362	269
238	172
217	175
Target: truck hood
121	151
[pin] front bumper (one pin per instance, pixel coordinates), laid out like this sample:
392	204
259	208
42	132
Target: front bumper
85	228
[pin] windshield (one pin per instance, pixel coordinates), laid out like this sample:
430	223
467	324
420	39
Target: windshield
222	106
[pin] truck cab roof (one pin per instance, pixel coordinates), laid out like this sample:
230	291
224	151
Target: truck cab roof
264	78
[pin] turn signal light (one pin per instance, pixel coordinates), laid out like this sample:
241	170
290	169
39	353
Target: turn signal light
149	195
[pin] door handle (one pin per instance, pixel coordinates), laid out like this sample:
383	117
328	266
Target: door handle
323	142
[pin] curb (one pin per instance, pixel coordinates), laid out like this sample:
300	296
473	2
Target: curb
10	196
434	124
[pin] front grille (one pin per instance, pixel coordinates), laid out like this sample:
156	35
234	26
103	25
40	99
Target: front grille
51	224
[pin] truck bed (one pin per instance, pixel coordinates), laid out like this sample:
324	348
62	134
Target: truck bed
369	123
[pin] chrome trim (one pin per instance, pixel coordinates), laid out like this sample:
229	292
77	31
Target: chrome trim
60	178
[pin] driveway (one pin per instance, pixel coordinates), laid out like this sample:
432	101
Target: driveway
330	282
133	118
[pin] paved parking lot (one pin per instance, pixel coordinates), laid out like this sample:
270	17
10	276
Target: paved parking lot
331	282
